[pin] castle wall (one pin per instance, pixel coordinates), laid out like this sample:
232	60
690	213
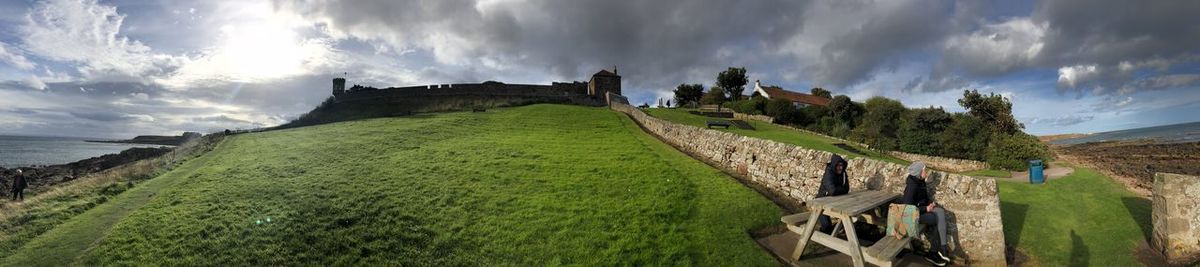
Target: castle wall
791	174
1176	217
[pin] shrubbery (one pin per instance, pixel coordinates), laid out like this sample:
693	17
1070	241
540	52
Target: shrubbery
1012	152
986	132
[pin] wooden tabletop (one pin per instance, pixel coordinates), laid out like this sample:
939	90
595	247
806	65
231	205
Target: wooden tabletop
853	204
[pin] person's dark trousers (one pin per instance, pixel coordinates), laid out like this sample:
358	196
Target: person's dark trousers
826	224
935	231
18	194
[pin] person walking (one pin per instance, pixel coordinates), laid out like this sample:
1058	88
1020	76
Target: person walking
835	182
18	186
917	193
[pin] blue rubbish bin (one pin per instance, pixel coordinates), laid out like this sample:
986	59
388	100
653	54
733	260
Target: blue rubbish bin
1035	172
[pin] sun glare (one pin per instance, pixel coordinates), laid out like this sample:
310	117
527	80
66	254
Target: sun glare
255	50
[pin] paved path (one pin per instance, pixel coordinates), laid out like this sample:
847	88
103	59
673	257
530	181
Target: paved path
64	244
1054	172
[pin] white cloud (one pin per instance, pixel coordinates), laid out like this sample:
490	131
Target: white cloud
35	83
997	48
14	58
87	32
1073	76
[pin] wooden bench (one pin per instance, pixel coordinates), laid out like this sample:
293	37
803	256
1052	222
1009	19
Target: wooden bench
478	110
710	124
883	252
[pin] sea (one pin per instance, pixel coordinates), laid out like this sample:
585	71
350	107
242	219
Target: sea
1166	134
23	151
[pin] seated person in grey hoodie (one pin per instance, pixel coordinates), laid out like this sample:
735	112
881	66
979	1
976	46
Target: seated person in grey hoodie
917	193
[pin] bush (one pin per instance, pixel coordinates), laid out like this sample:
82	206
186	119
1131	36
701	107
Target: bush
965	138
753	105
1013	152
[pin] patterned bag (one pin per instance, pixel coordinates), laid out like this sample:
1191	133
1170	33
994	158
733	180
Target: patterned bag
902	220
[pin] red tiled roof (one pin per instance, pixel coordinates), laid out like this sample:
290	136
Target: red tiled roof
776	92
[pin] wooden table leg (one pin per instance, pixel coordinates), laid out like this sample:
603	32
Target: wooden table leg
852	236
807	235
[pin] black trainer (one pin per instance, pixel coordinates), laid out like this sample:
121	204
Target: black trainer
935	259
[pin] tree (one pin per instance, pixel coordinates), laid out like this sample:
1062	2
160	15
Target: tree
733	80
994	110
844	110
785	112
715	96
821	92
920	130
687	93
880	123
966	137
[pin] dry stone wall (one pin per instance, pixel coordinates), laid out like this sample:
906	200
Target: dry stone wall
763	118
1176	217
792	174
942	163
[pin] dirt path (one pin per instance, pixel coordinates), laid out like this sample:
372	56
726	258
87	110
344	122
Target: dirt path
64	244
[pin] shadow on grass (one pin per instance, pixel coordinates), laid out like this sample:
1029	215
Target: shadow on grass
1139	210
1079	251
1013	215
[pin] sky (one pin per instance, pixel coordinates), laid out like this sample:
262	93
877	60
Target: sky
117	69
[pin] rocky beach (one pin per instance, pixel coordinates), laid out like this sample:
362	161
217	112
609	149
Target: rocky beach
41	178
1135	162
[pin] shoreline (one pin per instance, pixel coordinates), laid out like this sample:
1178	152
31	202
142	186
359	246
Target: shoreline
1133	163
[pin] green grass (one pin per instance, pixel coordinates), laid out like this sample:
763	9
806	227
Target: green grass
773	132
989	173
534	185
1081	219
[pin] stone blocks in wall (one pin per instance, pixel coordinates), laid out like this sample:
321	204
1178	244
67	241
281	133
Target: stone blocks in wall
792	174
942	163
763	118
1176	217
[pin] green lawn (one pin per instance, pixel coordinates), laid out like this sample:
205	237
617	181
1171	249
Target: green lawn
989	173
773	132
533	185
1081	219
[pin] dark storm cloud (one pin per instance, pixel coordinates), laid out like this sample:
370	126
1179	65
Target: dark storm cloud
653	43
853	56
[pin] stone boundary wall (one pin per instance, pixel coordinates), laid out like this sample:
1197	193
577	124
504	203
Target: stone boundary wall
762	118
942	163
1176	217
563	91
792	174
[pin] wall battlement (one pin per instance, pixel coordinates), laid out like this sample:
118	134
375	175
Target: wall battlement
602	82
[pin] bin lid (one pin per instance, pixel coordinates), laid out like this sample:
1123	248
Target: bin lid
1036	162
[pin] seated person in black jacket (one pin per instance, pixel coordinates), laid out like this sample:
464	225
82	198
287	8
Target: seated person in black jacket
835	182
932	215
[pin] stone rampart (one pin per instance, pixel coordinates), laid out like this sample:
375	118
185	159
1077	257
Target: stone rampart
1176	217
792	174
942	163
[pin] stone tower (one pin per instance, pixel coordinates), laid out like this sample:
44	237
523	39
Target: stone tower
339	86
604	81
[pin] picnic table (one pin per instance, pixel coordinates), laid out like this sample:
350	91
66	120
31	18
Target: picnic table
844	209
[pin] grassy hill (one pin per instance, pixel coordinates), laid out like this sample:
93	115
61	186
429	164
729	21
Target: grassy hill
533	185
